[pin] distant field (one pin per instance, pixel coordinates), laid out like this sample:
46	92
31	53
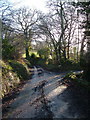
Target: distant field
24	55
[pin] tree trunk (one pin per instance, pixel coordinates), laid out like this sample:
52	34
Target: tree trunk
59	54
87	60
56	53
27	53
68	50
64	54
82	51
78	39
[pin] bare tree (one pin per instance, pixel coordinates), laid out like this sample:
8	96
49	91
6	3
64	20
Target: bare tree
57	25
48	28
23	21
5	12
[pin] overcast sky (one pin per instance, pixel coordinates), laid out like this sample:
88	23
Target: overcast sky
34	4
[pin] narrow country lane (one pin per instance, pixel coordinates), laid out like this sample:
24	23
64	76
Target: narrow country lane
44	96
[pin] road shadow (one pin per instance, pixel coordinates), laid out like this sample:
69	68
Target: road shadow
77	99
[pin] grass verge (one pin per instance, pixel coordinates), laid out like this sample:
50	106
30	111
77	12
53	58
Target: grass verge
77	79
13	73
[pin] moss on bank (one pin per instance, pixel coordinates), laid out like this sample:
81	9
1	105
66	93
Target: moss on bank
20	69
13	72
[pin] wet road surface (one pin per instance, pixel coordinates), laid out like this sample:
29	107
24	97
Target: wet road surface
44	96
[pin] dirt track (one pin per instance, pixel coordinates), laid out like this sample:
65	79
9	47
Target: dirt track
44	96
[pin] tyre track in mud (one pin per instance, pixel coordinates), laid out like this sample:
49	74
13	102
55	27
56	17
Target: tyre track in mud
43	99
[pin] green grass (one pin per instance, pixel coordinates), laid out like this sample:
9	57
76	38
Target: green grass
24	55
20	69
78	79
30	52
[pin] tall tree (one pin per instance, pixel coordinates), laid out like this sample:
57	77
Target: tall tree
58	27
5	12
24	19
85	11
